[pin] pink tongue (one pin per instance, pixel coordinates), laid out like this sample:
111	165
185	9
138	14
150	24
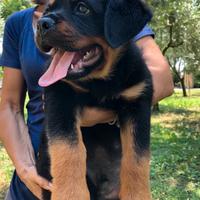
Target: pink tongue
58	68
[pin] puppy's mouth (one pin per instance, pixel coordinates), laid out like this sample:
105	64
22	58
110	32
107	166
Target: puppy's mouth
72	64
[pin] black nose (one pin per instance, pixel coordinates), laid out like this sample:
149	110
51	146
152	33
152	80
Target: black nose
45	24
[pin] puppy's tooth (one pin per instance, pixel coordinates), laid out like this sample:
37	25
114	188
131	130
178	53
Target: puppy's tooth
72	66
96	50
80	65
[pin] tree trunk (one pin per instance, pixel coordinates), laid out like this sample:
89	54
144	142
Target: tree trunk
183	87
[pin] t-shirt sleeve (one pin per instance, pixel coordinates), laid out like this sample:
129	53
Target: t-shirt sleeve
10	54
147	31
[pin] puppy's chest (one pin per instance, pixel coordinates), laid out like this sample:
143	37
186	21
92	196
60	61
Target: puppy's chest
127	81
111	94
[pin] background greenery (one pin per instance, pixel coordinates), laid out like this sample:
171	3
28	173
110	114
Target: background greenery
177	28
10	6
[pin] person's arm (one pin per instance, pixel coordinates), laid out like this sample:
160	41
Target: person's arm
158	66
14	132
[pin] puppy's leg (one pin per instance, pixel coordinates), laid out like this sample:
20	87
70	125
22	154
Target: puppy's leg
66	149
68	170
135	164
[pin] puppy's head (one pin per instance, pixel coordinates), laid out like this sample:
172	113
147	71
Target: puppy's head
87	36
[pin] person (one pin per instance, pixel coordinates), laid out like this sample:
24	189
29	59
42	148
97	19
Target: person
23	65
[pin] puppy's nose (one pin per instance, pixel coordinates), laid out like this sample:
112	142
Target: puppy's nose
45	24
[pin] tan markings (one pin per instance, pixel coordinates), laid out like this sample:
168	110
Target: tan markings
91	116
68	169
111	58
75	86
134	91
134	174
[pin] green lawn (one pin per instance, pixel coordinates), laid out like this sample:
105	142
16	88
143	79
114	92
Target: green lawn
5	172
175	170
175	166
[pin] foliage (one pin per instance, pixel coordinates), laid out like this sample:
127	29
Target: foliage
1	23
1	26
6	170
10	6
177	28
175	170
197	81
1	73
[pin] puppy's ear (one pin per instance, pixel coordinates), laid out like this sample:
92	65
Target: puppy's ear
124	19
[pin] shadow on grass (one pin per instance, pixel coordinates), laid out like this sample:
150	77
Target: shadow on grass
174	110
176	156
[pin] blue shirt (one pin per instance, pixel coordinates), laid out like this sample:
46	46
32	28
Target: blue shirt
20	52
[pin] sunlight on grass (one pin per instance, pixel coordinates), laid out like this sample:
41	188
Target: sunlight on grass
5	172
175	164
175	168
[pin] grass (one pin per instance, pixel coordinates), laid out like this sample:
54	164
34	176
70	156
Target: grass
5	172
175	172
175	165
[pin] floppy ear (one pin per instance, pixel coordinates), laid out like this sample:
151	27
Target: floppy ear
124	19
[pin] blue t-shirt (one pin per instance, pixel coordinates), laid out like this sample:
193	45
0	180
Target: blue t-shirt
20	52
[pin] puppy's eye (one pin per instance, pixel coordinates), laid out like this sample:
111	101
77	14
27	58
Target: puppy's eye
82	8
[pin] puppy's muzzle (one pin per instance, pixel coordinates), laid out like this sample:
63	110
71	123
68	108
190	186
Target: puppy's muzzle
45	24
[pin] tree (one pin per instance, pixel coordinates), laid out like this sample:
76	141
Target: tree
1	27
178	67
1	24
10	6
177	28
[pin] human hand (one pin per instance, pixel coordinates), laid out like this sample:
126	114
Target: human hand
93	116
34	182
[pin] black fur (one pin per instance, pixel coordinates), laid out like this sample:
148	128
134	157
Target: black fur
63	103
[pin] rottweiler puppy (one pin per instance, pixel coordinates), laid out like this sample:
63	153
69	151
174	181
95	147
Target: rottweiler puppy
95	64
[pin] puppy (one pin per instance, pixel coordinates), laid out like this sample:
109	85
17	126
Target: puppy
95	64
